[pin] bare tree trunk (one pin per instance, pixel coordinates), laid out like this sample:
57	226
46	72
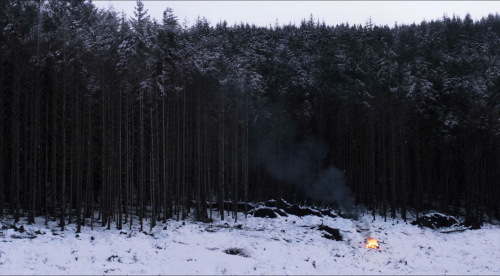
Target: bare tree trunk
417	167
53	175
102	205
403	168
393	167
152	165
46	162
178	165
127	159
2	154
119	159
164	157
141	160
198	156
184	201
221	154
79	174
235	179
63	157
245	156
131	149
16	147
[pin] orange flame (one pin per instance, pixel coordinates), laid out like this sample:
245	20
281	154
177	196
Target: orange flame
372	243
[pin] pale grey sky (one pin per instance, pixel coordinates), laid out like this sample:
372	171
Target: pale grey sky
263	13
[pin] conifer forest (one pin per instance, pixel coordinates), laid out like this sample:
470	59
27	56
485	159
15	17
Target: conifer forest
105	116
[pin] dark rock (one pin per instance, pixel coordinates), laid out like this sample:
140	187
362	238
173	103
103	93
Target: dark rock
112	258
333	234
237	252
264	212
435	220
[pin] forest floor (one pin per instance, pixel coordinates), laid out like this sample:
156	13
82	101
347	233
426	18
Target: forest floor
283	245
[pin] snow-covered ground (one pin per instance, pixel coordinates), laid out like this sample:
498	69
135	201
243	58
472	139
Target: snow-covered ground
268	246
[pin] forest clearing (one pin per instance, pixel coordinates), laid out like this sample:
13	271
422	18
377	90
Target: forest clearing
289	245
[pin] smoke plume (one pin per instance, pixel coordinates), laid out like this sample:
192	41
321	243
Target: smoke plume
304	168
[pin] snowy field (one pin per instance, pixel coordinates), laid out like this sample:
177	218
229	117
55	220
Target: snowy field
267	246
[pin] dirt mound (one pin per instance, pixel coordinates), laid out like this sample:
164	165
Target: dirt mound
237	252
271	203
300	212
278	204
435	220
331	233
264	213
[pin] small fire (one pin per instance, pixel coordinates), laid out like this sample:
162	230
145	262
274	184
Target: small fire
372	243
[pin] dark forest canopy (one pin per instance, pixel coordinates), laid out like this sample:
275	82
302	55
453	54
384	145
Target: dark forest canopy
100	112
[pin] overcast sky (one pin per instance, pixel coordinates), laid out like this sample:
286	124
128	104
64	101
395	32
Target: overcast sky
263	13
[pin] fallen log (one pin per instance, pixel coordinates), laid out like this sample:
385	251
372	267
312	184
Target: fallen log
455	230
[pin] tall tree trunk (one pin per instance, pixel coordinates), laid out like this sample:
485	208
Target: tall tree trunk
53	175
164	157
152	165
141	161
63	153
103	198
16	147
119	159
403	167
79	161
393	166
184	142
245	156
178	164
198	156
47	168
235	179
221	154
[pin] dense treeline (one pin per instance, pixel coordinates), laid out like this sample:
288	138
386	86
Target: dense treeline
100	112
